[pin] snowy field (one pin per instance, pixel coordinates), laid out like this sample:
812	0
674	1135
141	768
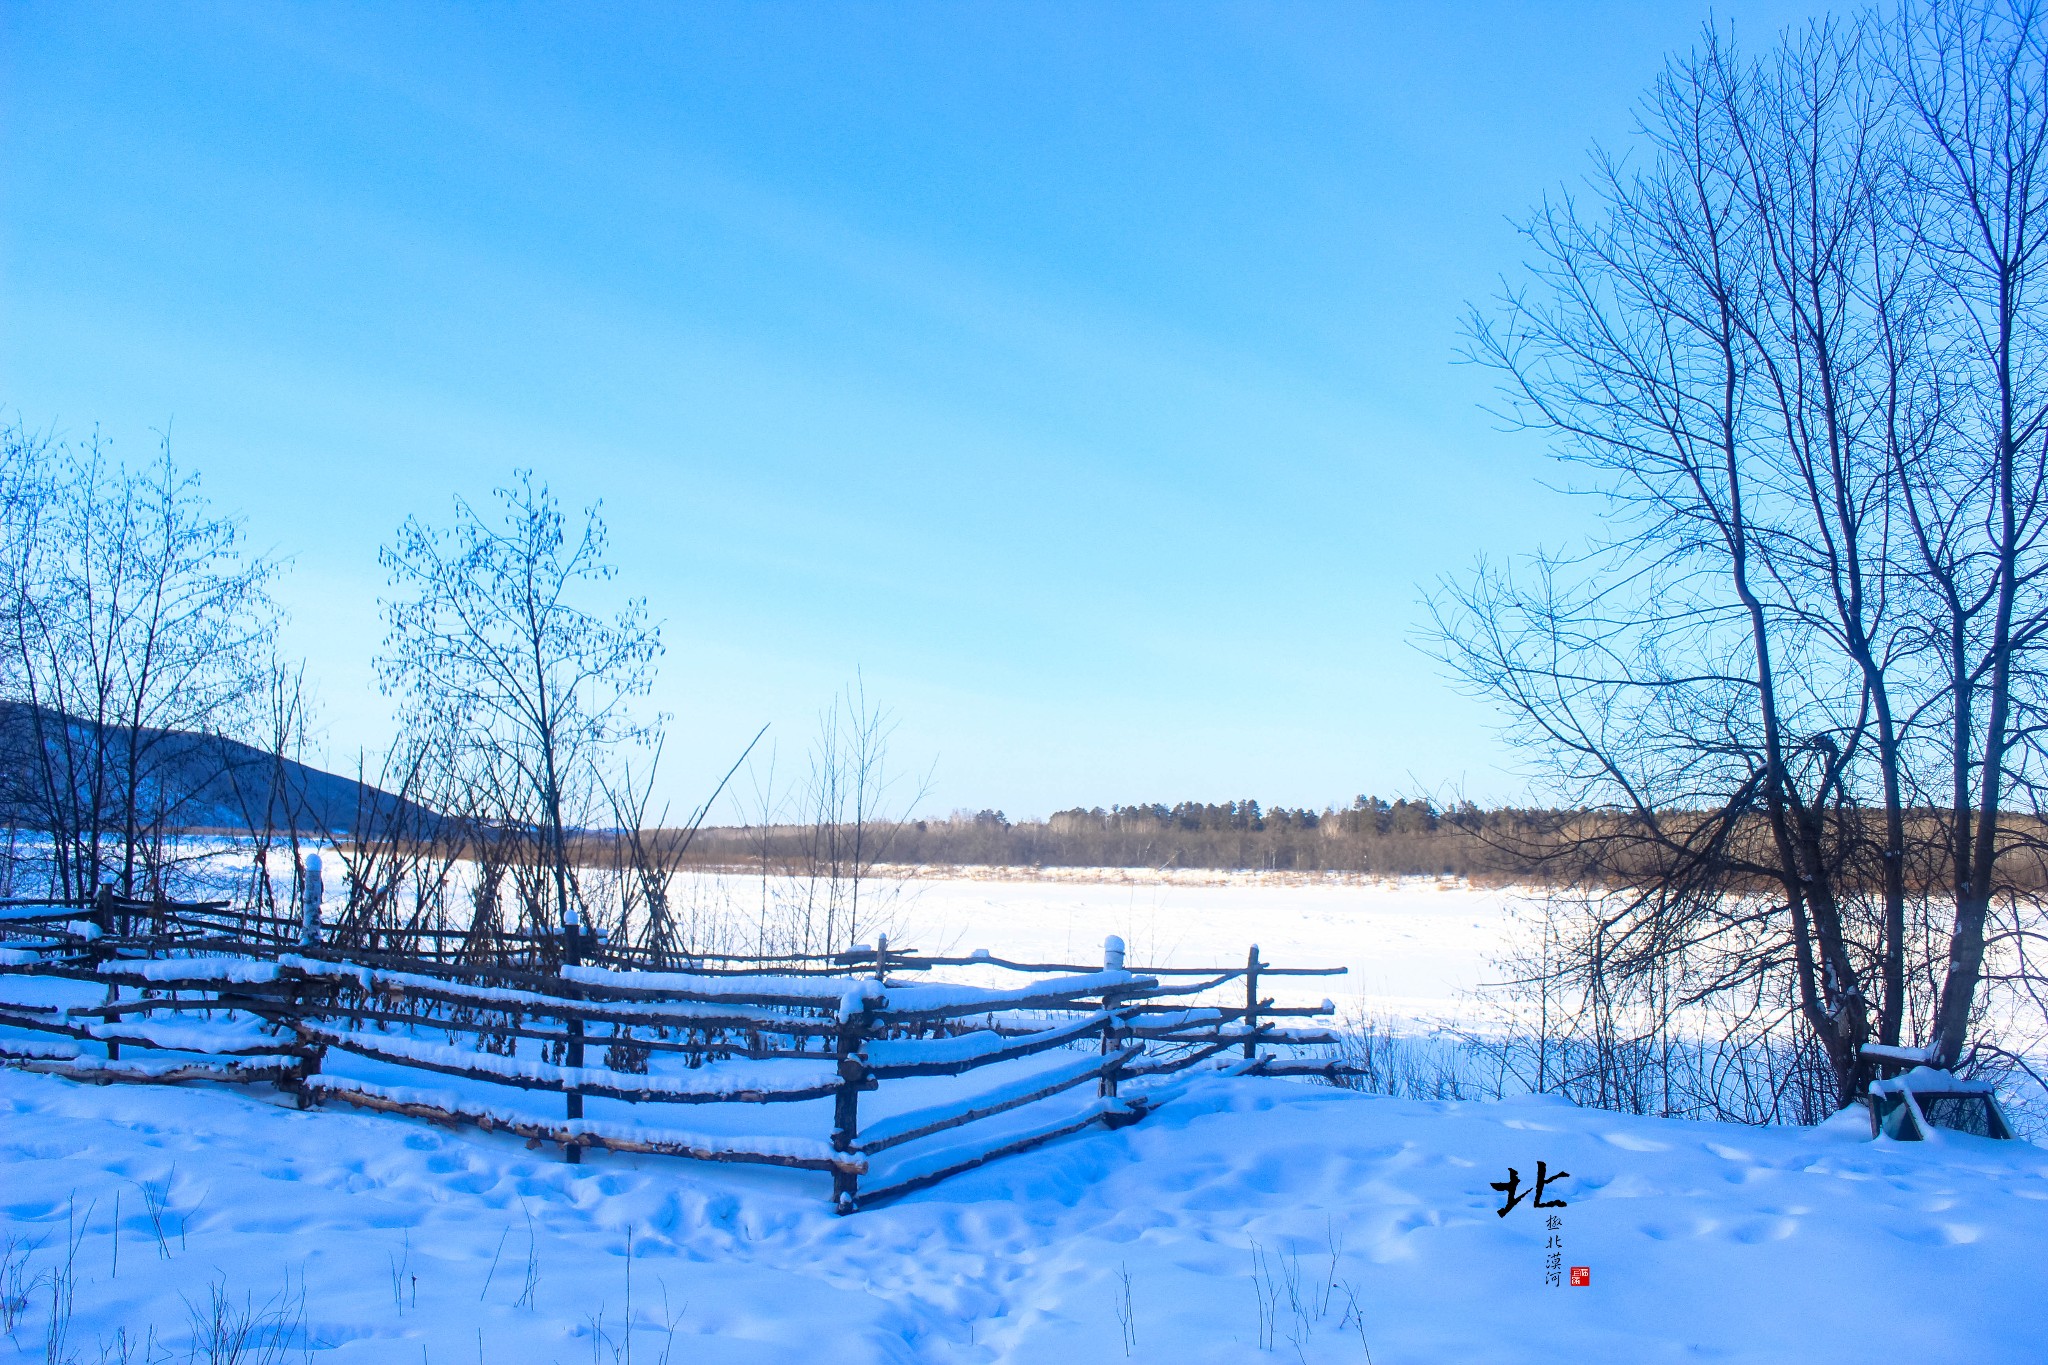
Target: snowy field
1246	1220
1413	947
1255	1220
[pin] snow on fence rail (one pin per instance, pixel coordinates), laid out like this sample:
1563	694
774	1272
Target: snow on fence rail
350	1016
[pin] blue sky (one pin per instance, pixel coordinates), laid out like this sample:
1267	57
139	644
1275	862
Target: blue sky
1082	376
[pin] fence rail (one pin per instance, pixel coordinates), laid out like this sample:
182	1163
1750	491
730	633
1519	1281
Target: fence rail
233	996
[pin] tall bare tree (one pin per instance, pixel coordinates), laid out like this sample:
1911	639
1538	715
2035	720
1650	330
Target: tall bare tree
1974	83
496	640
1792	344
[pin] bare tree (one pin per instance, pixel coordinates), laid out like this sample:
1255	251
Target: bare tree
850	821
816	843
1791	347
1974	80
272	801
23	493
136	626
492	640
639	860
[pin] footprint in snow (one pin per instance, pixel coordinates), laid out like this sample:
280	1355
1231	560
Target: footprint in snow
471	1182
1765	1230
1632	1142
1939	1234
1418	1218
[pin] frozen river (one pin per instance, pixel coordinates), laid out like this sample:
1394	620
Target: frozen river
1413	947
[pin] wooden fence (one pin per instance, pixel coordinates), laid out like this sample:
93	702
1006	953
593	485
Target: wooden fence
232	996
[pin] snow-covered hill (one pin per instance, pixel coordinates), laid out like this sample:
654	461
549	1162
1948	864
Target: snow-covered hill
1249	1220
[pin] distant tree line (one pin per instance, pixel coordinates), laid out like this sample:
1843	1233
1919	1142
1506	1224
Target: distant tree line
1520	845
1403	837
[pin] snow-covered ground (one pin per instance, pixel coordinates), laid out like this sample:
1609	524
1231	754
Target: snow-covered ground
1246	1220
1254	1220
1413	946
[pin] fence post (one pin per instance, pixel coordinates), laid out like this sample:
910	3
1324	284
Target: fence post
1112	961
881	955
853	1078
1251	1003
309	906
572	956
310	1058
103	914
103	920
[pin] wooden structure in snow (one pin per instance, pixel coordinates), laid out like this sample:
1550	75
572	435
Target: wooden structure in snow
1912	1099
230	996
1913	1106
